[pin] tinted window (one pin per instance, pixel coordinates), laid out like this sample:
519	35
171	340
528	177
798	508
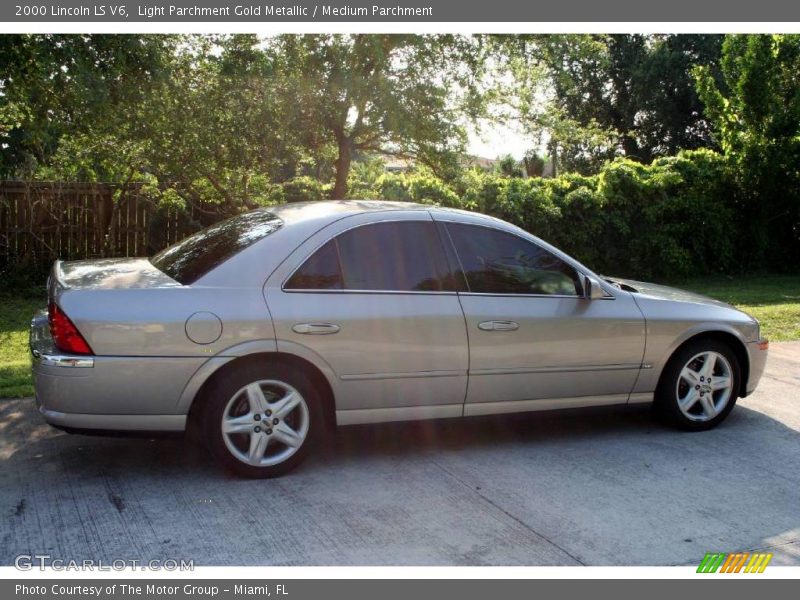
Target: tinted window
320	272
190	259
396	256
496	262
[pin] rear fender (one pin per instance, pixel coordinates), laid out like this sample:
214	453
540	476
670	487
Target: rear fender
211	366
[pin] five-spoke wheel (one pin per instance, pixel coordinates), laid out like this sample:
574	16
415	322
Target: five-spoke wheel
704	386
698	388
265	422
259	418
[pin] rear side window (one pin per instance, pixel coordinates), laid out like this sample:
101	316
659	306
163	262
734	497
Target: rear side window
320	272
190	259
496	262
403	256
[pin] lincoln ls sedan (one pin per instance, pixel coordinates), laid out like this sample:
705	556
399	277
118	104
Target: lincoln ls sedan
268	329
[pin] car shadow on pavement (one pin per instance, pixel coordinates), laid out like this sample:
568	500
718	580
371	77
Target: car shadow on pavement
24	437
612	485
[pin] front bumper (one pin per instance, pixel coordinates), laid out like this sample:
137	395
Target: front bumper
757	352
114	393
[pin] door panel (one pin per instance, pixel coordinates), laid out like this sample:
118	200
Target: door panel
532	335
563	347
387	348
390	350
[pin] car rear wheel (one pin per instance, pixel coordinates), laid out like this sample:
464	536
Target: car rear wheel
260	421
698	388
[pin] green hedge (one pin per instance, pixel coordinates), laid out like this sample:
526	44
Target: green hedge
673	218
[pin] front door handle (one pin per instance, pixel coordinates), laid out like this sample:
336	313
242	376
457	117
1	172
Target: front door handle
315	328
498	325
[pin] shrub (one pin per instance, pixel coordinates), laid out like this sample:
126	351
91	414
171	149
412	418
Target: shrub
422	187
302	189
676	217
670	219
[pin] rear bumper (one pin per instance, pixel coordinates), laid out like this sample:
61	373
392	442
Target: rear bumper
78	421
757	352
113	393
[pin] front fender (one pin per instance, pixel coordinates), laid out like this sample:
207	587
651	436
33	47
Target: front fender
663	341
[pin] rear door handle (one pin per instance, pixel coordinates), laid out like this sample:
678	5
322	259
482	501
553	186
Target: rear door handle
315	328
498	325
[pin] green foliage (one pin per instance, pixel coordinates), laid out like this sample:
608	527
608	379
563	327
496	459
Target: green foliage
508	166
303	189
534	164
756	118
71	85
422	187
673	218
213	125
626	95
369	93
673	215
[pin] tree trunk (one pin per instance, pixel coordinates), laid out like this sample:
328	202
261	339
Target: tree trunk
342	168
554	158
631	148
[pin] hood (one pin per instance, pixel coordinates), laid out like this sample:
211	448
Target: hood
109	273
663	292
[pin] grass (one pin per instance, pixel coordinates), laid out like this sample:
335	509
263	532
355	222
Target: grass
772	299
15	361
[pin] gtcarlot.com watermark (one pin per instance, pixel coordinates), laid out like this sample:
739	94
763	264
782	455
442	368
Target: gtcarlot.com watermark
29	562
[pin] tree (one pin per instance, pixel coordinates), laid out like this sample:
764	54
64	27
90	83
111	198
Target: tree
508	166
672	115
53	86
534	163
215	130
594	97
756	119
396	94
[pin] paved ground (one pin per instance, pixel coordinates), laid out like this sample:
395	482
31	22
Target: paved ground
604	487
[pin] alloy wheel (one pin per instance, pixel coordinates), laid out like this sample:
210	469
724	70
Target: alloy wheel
265	422
705	386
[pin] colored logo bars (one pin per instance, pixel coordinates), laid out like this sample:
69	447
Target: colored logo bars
744	562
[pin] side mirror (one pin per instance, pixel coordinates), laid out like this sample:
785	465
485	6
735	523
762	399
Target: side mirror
592	290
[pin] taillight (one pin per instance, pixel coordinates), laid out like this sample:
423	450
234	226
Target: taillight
66	336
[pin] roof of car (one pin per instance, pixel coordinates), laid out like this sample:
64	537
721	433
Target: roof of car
301	211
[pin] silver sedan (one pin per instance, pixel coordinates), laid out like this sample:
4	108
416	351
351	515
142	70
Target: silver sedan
265	330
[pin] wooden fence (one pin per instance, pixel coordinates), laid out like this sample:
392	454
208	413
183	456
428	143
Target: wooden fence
40	222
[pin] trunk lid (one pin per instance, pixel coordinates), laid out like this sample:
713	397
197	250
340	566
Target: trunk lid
106	274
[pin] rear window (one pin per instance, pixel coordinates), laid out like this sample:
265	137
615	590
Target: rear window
191	258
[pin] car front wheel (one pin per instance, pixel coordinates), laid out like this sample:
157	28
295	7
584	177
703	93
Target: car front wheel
260	421
698	389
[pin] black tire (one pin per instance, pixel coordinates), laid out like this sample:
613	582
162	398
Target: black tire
227	388
667	392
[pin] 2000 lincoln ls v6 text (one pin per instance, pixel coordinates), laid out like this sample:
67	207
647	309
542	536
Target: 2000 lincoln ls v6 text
264	330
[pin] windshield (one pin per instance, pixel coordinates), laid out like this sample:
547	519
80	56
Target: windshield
190	259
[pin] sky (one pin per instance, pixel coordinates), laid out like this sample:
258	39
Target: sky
497	140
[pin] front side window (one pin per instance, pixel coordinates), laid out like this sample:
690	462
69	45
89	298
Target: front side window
496	262
403	256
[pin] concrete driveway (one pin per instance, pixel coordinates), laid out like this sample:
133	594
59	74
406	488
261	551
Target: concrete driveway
598	488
